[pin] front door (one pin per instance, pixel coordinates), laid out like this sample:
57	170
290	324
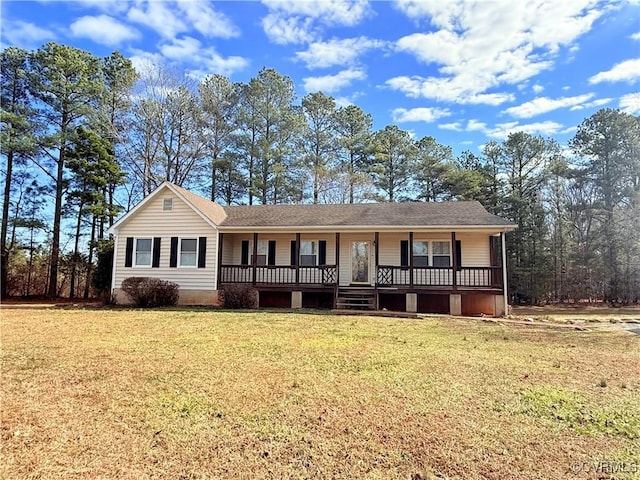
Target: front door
360	262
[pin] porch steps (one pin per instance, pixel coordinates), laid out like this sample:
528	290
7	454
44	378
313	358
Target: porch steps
356	298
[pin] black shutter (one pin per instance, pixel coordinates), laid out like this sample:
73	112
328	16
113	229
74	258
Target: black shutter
404	253
322	252
202	252
459	254
271	254
244	254
294	259
155	262
128	254
173	257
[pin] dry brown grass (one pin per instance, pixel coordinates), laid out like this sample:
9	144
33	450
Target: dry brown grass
192	394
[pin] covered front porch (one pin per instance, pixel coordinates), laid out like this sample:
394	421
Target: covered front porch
384	266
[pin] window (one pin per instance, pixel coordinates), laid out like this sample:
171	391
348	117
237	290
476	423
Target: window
263	249
167	204
441	254
420	253
308	253
143	252
188	252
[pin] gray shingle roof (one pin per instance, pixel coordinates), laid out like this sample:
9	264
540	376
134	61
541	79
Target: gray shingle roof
209	209
363	215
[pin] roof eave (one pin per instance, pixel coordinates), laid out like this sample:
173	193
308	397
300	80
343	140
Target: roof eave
363	228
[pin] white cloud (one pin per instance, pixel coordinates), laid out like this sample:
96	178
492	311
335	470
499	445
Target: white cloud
107	6
206	20
476	126
502	130
541	105
422	114
635	36
283	30
459	90
455	126
627	71
207	59
337	51
537	88
157	17
294	21
479	45
630	103
595	103
103	29
169	19
331	12
333	83
180	48
145	62
24	34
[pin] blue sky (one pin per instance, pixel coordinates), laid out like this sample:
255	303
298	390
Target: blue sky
464	72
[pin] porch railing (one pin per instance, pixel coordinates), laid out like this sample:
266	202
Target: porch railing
387	276
279	274
466	277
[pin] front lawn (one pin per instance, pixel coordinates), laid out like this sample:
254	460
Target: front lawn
194	394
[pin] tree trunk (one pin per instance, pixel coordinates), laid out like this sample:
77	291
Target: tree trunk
87	283
57	215
74	260
4	248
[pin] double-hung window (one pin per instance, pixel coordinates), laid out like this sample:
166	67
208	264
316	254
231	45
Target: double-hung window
263	251
420	253
441	254
188	252
143	252
425	253
308	253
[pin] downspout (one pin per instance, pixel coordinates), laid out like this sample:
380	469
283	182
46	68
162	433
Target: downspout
504	273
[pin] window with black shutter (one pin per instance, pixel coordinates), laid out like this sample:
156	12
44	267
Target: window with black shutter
244	254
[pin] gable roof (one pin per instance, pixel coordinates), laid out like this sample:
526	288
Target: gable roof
322	216
211	212
415	214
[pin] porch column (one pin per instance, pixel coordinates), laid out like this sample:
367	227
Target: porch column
337	285
337	258
455	260
297	258
255	256
504	274
410	252
376	250
219	276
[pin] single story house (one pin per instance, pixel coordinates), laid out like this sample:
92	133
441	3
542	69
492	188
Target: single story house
436	257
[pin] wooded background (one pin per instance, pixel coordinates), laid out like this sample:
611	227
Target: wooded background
85	138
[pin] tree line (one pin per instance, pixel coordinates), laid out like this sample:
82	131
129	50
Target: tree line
91	136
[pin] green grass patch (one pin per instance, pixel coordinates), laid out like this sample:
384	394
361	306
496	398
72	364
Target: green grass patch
571	409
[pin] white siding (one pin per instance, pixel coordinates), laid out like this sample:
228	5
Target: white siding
475	249
232	246
183	222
